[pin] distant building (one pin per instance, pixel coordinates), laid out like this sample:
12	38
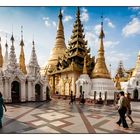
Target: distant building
133	84
121	76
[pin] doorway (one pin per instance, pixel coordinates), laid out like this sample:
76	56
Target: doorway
47	93
136	94
37	92
15	92
81	90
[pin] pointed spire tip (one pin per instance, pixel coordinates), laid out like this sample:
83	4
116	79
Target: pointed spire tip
60	13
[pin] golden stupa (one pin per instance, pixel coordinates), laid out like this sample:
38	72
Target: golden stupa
137	67
100	70
1	57
60	46
22	65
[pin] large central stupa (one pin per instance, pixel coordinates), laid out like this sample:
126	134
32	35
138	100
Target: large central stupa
60	46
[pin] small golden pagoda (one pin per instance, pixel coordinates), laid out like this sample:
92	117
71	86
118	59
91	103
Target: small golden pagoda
1	57
60	46
100	70
22	65
121	76
69	66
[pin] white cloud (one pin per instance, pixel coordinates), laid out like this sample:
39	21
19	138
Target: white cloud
134	8
115	57
67	18
109	23
92	39
132	28
84	15
111	44
49	22
62	11
97	29
54	23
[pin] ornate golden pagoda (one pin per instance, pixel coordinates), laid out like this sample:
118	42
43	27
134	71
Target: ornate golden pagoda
1	57
70	65
73	60
60	46
22	57
100	70
137	67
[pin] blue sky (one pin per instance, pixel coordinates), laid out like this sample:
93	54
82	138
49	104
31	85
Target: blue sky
121	26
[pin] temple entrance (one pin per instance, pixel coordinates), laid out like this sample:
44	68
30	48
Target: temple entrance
135	94
37	92
15	92
47	93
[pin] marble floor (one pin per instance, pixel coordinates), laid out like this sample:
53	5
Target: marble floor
58	116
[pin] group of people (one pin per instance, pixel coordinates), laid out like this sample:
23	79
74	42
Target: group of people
124	109
73	98
123	105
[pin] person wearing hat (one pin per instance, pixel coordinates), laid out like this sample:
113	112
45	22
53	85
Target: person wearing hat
129	111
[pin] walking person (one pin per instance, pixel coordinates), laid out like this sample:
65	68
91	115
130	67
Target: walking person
122	108
129	111
1	109
71	98
80	97
83	98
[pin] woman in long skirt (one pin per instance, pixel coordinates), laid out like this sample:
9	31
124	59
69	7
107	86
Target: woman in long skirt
1	109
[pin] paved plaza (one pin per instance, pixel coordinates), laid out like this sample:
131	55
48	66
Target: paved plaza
58	116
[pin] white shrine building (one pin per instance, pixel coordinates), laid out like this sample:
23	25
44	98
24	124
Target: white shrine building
18	83
132	86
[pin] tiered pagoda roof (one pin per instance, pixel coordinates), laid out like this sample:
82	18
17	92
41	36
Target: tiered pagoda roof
73	60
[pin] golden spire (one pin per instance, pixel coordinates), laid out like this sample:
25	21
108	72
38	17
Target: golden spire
100	70
85	66
60	46
137	67
1	57
22	57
